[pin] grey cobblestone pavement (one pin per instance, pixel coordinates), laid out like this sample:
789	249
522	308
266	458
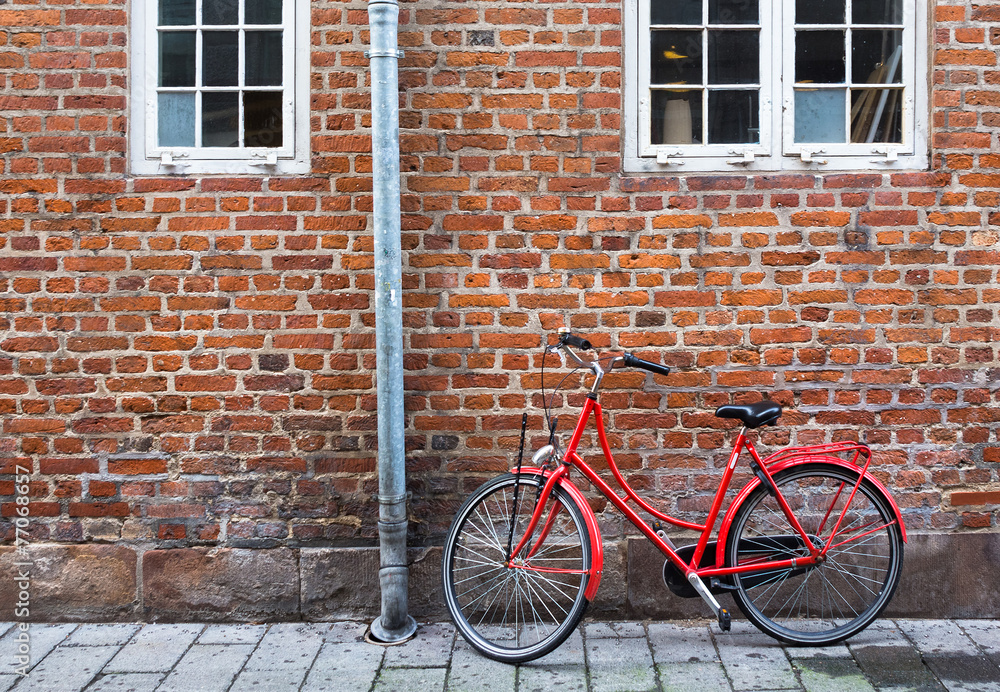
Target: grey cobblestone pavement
953	655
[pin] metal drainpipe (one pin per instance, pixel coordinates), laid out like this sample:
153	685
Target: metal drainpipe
394	624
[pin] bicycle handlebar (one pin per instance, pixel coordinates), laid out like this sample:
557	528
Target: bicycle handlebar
633	362
568	339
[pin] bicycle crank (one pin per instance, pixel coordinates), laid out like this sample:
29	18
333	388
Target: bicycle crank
725	622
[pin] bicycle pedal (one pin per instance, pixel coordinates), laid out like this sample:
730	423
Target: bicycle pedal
725	621
659	531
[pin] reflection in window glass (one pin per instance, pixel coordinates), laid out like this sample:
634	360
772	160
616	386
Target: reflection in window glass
733	117
877	11
675	12
220	58
877	115
820	116
220	119
220	11
175	120
819	11
819	57
177	13
675	57
177	58
262	118
874	56
676	117
263	58
732	12
263	11
733	57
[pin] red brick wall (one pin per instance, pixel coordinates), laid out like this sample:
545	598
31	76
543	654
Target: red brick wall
189	361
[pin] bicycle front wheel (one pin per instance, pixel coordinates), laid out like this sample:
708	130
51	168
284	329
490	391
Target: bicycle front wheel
837	598
518	612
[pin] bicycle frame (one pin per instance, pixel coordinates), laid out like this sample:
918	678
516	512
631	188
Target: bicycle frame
764	469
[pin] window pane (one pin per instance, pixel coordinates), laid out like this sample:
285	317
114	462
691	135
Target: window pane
820	116
220	58
874	54
176	12
220	11
733	117
220	118
676	117
675	57
262	114
675	11
175	113
733	57
877	115
263	58
819	11
819	56
732	12
877	11
263	12
177	58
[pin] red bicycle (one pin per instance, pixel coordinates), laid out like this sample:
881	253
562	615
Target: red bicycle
811	549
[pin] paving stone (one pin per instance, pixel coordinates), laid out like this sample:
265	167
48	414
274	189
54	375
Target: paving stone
609	630
345	632
681	644
752	665
938	636
430	648
347	666
684	677
208	667
43	638
288	646
102	635
895	667
5	627
986	634
471	671
879	633
411	680
155	649
232	634
126	682
67	669
962	673
832	675
545	678
620	665
7	681
831	651
570	652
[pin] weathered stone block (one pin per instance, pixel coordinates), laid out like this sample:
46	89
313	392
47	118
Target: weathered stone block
73	583
220	584
949	576
341	583
648	596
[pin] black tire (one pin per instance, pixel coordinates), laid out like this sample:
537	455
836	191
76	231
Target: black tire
824	604
511	614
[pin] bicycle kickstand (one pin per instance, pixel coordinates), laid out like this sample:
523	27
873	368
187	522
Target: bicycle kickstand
725	621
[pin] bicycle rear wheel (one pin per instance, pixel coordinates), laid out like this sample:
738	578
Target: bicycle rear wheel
838	598
521	612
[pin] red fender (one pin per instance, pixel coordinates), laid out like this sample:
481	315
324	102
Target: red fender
596	544
720	548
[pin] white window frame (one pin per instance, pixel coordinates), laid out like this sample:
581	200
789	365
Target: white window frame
147	158
777	150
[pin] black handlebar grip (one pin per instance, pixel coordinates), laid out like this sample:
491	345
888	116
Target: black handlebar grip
633	362
576	341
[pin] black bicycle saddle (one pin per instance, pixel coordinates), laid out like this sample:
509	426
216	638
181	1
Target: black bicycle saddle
752	415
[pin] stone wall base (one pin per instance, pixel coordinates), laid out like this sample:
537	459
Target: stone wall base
944	576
